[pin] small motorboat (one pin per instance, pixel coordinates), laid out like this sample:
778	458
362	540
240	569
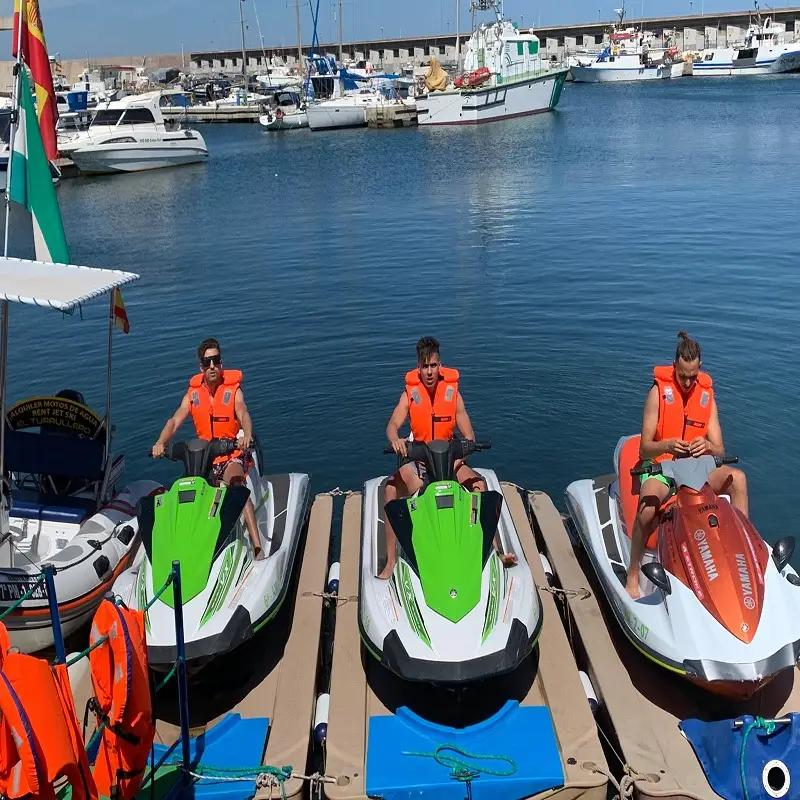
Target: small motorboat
130	135
67	505
284	111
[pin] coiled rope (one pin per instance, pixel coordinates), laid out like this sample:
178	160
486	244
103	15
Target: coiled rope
768	726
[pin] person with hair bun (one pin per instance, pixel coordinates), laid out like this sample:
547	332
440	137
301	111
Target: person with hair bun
680	420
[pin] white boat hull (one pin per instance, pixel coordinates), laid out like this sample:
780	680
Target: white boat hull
767	60
284	123
325	116
600	72
96	159
533	95
88	558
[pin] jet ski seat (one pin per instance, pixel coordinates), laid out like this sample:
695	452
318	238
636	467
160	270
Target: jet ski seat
626	457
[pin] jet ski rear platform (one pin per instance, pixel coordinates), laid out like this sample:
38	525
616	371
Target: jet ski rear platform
641	705
537	715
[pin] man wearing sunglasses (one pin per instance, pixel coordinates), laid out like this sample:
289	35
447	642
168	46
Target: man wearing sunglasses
216	403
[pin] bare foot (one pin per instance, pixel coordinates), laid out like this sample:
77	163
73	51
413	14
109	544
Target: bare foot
508	559
258	553
386	572
632	586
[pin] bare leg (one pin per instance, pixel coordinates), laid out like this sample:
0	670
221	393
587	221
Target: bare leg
652	494
233	476
403	483
473	482
733	482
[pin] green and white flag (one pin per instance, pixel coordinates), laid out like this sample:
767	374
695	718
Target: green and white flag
32	183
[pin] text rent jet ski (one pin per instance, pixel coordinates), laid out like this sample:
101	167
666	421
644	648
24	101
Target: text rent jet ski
450	613
227	594
719	605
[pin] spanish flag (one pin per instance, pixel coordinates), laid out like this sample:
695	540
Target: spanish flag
120	314
34	54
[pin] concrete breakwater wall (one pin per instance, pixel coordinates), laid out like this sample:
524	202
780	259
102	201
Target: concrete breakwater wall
691	32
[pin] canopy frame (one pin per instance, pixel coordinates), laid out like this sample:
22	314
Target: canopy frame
18	279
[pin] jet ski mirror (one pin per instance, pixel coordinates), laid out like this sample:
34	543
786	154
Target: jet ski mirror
782	551
657	575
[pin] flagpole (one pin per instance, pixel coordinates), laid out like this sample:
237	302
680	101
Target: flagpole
4	507
23	14
112	293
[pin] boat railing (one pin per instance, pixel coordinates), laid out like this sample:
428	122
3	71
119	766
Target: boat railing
521	72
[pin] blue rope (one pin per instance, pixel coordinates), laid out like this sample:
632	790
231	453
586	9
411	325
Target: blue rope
768	726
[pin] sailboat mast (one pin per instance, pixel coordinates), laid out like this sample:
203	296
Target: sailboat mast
244	53
341	35
458	35
299	34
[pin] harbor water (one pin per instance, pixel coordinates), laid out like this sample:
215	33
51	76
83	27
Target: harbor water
555	257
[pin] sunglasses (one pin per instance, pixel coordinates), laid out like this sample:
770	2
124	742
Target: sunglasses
207	361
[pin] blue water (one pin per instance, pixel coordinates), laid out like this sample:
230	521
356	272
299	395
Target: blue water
555	257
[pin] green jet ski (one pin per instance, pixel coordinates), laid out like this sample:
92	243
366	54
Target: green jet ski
451	613
227	594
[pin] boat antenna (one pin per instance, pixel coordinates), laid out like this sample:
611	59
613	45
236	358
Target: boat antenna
486	5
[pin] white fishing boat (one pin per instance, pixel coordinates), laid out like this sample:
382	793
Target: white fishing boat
764	50
129	135
504	76
284	111
631	55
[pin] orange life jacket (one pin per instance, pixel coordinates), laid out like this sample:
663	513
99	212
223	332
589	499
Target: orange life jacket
681	416
40	741
214	416
122	699
436	420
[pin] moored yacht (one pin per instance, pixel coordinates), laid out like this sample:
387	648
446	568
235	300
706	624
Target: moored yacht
130	135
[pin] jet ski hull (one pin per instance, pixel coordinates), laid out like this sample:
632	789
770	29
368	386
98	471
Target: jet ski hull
418	644
241	594
675	630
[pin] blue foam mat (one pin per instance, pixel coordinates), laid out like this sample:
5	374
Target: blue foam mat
233	742
718	747
525	735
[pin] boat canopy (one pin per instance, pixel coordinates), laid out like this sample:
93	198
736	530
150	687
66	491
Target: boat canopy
62	287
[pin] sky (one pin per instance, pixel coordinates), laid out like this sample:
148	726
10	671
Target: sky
77	28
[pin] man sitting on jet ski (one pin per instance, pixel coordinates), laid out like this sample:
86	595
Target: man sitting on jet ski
680	420
436	409
216	402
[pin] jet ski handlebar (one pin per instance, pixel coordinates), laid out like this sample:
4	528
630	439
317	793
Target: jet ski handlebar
440	455
198	455
655	468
